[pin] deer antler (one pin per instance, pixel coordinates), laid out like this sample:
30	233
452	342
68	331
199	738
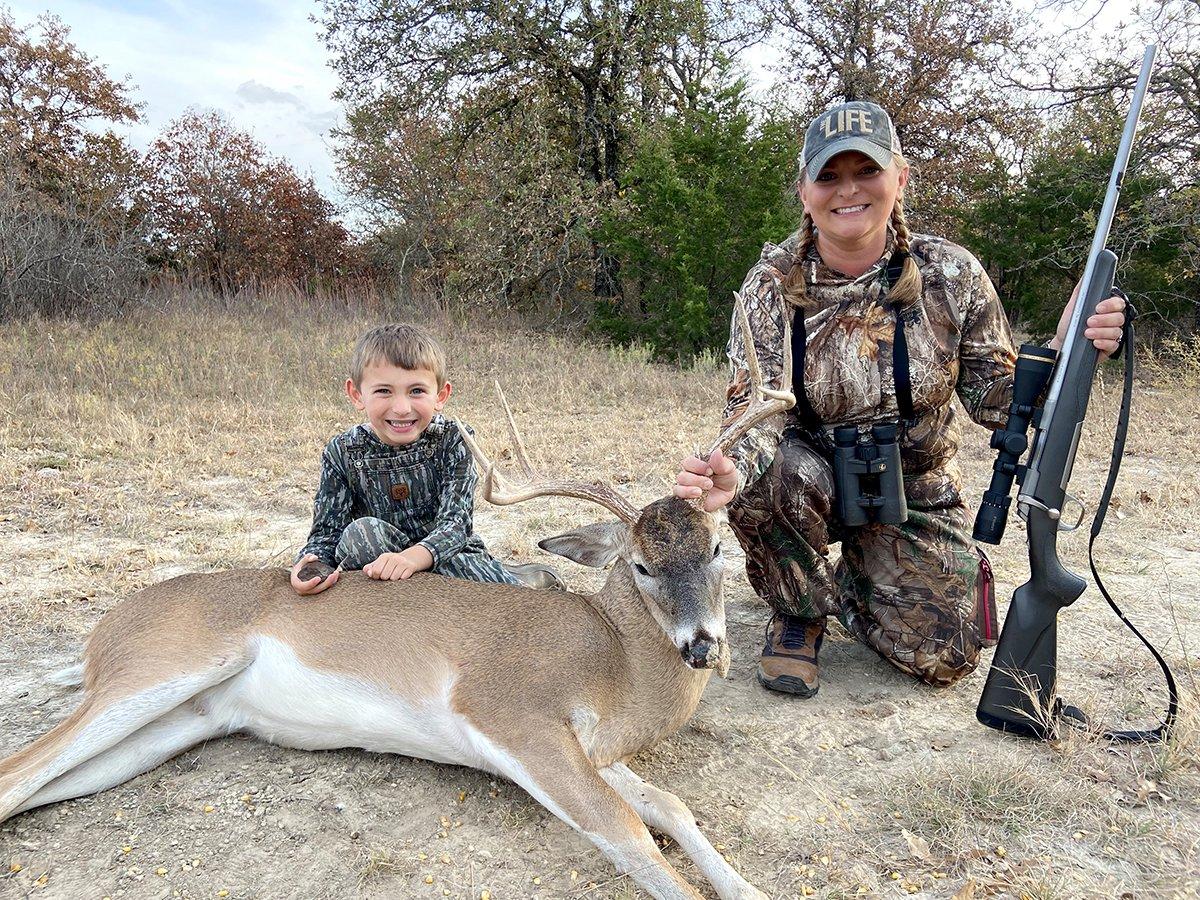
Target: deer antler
497	491
764	401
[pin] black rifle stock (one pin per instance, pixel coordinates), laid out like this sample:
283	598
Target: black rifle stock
1019	694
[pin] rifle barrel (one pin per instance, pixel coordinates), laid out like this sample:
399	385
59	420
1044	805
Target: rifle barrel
1082	310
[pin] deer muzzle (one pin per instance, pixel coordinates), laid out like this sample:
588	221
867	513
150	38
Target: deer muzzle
706	652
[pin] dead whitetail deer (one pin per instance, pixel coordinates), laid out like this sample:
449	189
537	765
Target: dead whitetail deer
551	690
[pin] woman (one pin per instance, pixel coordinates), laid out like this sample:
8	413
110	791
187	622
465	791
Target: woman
919	593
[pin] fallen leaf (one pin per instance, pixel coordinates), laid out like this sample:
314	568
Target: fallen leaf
1147	790
967	891
918	846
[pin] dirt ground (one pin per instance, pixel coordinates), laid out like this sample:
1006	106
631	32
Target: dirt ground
877	787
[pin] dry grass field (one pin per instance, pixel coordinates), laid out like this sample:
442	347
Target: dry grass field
189	439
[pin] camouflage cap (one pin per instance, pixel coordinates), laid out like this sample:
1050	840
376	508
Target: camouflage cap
862	126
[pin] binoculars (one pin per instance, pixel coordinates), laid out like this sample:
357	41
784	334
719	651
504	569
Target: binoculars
868	479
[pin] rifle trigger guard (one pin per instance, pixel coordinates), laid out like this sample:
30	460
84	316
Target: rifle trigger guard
1067	501
1025	501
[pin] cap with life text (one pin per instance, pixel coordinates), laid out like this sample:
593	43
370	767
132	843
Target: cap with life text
859	125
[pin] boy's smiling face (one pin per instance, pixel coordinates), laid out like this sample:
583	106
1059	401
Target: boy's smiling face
399	403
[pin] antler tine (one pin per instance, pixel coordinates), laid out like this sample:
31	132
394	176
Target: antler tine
764	401
784	392
497	491
739	310
518	444
492	480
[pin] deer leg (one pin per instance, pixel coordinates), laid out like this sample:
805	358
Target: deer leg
665	812
558	774
148	747
101	722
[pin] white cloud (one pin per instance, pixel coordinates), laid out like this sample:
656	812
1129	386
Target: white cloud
260	62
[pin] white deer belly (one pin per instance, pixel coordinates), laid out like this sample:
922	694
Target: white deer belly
282	701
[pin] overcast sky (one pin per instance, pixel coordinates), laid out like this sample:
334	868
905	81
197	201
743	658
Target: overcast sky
259	61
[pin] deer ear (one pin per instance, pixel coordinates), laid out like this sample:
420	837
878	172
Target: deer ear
593	545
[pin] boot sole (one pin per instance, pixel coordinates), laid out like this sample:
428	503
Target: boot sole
789	684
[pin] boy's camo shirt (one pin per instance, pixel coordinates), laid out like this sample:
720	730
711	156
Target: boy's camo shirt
426	489
958	341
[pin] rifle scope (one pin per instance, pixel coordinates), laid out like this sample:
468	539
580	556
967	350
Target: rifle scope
1034	367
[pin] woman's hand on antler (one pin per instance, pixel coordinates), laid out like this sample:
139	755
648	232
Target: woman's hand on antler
715	479
717	476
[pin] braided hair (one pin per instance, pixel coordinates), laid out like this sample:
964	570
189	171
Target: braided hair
795	288
907	289
904	293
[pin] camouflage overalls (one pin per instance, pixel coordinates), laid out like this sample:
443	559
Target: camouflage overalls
919	594
375	498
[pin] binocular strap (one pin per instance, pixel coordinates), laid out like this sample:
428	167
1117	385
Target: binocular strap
901	371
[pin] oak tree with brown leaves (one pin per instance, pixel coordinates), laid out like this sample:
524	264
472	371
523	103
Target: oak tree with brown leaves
225	211
55	102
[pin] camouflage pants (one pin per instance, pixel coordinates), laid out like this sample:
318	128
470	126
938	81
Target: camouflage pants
918	594
365	539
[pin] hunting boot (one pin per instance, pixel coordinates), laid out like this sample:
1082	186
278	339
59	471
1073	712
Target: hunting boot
789	660
536	575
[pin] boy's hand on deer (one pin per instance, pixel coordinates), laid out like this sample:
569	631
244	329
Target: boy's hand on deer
311	575
717	475
398	566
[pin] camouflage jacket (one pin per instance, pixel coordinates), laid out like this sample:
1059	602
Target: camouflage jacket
426	489
958	341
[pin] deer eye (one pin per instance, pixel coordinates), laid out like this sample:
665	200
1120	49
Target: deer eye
641	570
717	550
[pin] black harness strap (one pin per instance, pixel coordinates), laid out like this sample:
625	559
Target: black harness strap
901	373
809	419
1163	730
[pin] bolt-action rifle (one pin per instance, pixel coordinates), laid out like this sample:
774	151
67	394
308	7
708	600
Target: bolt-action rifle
1019	695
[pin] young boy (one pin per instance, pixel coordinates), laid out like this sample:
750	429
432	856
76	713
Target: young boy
397	493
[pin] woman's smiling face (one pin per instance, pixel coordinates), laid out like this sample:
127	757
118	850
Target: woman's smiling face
852	198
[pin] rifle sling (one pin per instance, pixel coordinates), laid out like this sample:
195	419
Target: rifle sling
901	373
1163	730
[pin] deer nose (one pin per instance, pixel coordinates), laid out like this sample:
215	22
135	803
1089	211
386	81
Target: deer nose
702	652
